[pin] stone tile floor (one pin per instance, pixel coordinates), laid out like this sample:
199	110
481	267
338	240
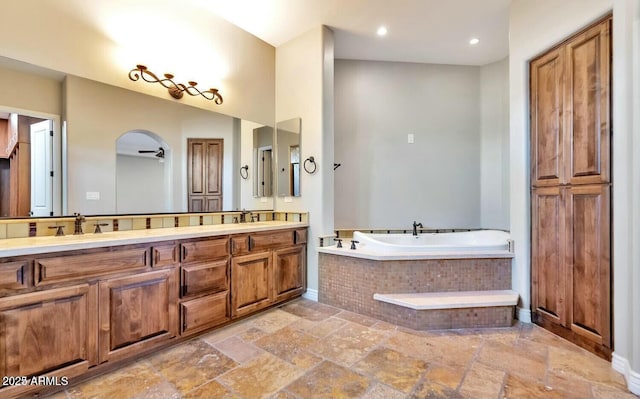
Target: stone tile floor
304	349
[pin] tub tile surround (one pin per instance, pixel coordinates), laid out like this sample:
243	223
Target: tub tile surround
20	228
253	358
352	283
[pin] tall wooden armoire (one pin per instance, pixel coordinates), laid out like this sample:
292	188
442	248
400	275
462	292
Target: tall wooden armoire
571	189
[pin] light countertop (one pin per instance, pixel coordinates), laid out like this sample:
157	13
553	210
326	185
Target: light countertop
37	245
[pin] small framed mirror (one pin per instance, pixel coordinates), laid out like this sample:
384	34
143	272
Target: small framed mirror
263	161
288	161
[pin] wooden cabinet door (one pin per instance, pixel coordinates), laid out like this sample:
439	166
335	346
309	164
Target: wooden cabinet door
53	332
289	272
251	283
588	260
204	174
205	277
547	255
547	130
587	106
204	312
137	312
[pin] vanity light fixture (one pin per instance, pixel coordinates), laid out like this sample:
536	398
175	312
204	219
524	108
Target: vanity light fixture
176	90
474	41
382	31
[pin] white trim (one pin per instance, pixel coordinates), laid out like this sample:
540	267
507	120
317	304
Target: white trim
311	294
450	300
621	365
524	315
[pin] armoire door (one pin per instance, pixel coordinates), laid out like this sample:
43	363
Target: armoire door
587	106
588	261
548	271
547	133
204	170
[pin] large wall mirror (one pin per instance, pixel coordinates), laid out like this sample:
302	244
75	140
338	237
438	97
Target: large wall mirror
288	157
103	174
263	161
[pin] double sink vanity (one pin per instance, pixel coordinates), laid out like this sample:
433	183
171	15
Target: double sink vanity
74	306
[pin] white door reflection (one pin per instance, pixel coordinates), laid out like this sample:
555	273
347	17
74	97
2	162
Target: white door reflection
143	170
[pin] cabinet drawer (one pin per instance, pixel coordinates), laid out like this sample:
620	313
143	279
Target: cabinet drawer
86	266
204	250
261	241
14	276
300	236
202	313
205	277
165	255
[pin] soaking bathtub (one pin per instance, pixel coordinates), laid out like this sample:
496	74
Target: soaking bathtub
458	245
429	264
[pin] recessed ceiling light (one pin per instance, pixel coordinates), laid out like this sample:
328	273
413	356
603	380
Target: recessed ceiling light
474	41
382	31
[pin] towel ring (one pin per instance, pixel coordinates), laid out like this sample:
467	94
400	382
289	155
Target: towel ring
312	162
244	172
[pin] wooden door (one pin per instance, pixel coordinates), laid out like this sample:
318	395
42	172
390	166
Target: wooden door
251	283
288	272
53	332
547	133
587	106
204	169
137	312
588	262
548	294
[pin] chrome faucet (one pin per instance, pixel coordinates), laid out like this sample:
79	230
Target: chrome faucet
415	228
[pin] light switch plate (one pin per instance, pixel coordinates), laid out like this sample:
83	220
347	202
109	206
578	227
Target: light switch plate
288	199
410	138
93	195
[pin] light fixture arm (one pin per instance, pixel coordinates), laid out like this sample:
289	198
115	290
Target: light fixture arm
176	90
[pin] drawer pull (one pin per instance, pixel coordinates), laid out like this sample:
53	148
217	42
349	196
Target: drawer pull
184	253
250	243
20	275
156	257
295	237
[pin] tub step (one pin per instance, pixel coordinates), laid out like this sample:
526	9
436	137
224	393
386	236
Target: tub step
451	300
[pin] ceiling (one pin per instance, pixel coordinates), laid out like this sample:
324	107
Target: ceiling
426	31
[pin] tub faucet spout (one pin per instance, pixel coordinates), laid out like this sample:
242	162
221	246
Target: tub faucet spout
415	228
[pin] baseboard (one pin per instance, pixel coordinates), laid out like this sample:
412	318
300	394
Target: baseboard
621	365
524	315
311	295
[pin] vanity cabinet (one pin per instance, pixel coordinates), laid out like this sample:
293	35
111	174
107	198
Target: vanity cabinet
266	268
137	312
63	314
204	284
52	333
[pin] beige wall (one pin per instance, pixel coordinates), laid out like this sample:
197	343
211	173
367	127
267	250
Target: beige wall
304	89
28	91
40	33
